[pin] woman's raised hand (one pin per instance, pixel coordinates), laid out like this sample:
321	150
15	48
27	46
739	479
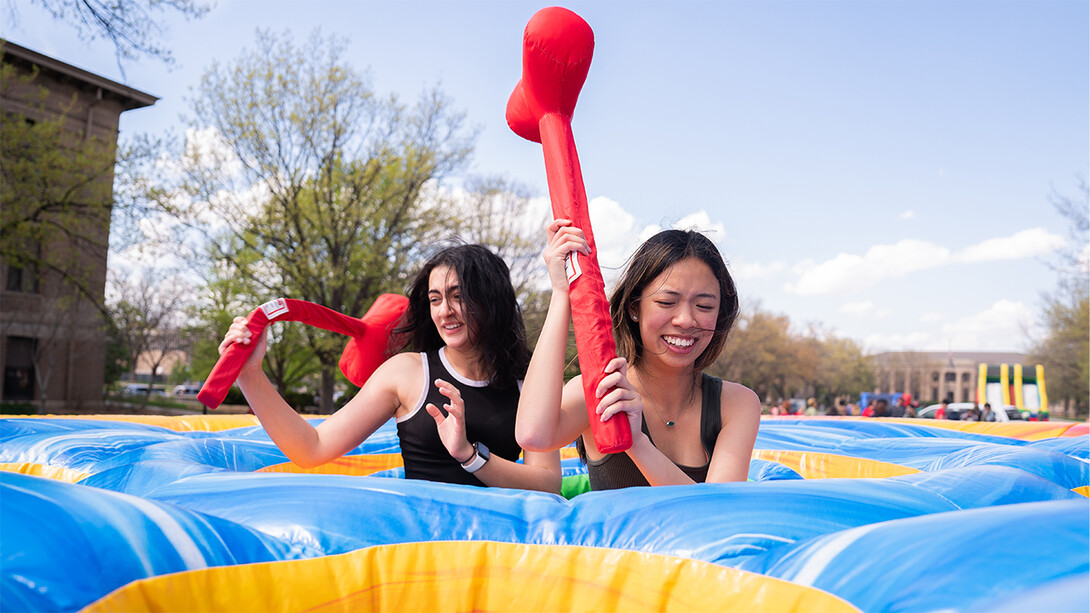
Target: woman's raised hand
562	239
618	396
452	427
240	333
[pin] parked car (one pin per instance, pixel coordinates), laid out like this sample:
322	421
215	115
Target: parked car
139	389
954	411
186	391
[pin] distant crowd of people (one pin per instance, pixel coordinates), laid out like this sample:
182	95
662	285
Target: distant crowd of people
907	407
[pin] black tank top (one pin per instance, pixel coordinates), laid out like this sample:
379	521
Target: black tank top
617	470
490	419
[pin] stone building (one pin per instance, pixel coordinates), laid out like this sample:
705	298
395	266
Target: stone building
52	338
936	375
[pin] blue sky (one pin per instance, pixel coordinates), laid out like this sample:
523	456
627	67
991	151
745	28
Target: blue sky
879	168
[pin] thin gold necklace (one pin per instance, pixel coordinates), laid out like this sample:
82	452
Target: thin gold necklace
669	423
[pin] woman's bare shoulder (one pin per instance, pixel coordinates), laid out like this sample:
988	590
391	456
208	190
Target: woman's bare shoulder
401	368
738	397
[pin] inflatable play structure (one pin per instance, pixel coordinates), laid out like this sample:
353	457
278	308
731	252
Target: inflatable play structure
204	513
1003	384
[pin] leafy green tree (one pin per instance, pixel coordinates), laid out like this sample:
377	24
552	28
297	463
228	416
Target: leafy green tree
309	183
1064	350
760	354
844	371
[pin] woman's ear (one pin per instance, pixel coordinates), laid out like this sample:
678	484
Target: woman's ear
633	312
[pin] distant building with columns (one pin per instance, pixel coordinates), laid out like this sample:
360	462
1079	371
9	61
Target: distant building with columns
933	376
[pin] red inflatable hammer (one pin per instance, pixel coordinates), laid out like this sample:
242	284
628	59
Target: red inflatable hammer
556	52
367	349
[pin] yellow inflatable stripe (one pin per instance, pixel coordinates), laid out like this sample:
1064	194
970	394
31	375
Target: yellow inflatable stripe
367	464
568	453
472	576
187	423
59	473
357	465
1026	430
813	465
1082	489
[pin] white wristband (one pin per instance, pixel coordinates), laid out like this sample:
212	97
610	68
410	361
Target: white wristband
480	457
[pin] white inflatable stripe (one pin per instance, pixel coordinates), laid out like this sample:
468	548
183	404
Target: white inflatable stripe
817	563
187	549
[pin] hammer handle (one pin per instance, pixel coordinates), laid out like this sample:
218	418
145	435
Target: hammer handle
590	309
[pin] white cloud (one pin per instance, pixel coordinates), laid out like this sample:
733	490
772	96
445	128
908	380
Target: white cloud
931	317
1004	326
865	308
907	215
210	151
743	270
701	222
1024	244
898	341
848	272
857	308
1001	326
616	234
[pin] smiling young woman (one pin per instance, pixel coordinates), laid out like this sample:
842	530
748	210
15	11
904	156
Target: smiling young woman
671	314
454	397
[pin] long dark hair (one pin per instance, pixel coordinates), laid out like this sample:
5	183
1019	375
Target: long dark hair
657	254
489	308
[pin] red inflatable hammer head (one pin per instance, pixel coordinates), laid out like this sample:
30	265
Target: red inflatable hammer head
363	354
556	51
369	347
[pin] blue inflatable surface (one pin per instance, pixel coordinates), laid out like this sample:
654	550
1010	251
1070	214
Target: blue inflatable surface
965	522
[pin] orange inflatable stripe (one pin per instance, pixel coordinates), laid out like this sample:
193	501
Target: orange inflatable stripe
813	465
460	576
59	473
1077	430
358	465
1082	489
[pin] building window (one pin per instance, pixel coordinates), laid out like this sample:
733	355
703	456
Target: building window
19	370
935	393
22	279
934	376
964	377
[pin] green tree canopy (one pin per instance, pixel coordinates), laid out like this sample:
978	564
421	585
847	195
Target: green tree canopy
1064	350
309	183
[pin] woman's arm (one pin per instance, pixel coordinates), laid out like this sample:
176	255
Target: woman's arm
539	471
656	467
302	443
549	419
741	411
